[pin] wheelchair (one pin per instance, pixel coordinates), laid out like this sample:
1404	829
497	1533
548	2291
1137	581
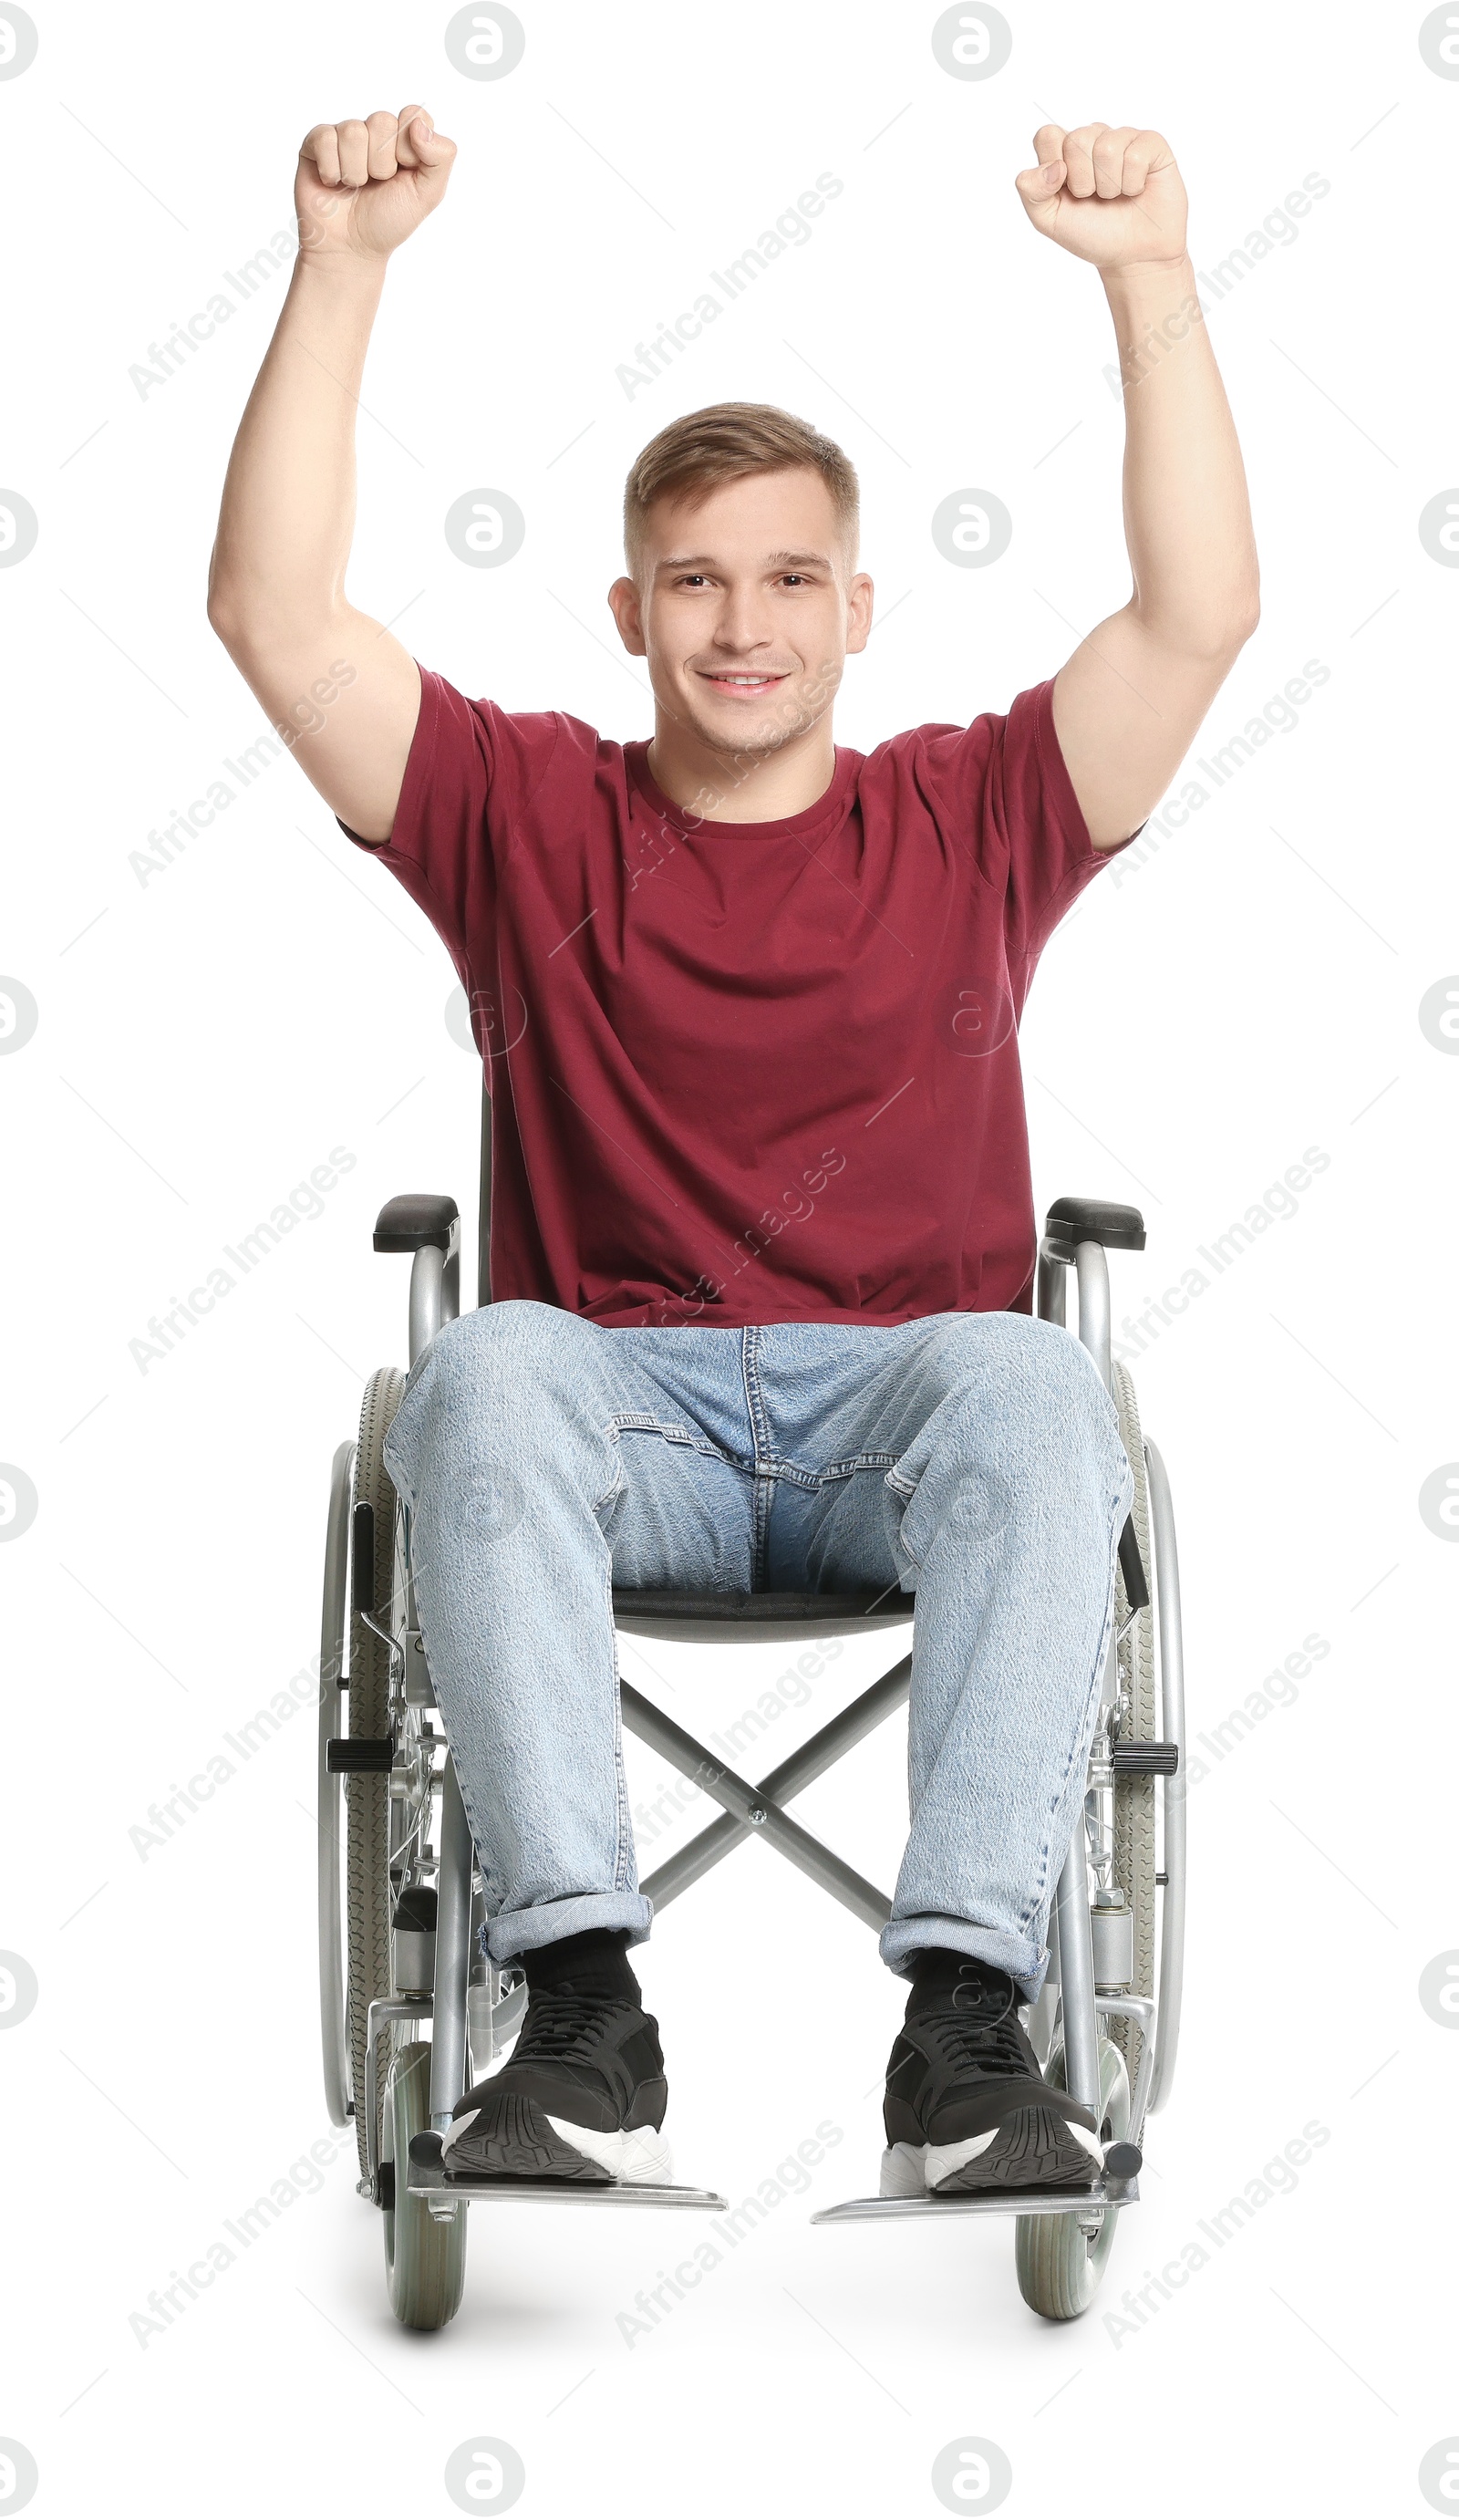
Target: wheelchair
401	1902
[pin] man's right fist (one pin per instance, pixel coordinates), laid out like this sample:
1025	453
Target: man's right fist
363	187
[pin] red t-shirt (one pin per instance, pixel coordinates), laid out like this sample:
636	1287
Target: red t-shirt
748	1071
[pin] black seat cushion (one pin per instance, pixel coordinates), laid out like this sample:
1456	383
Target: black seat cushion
761	1608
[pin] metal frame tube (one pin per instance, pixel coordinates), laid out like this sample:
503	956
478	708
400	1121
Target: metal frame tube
1140	2008
1173	1720
427	1297
793	1776
749	1803
484	1201
1076	1976
1093	1270
334	2044
448	2046
384	2008
1076	1957
1052	1284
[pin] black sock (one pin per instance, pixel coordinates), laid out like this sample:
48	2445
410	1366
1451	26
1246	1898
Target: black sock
936	1972
593	1963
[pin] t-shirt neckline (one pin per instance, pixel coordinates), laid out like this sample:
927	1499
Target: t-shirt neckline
811	819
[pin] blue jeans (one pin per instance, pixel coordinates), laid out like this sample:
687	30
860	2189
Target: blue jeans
972	1458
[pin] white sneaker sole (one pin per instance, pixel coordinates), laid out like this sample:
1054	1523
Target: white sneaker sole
642	2156
914	2169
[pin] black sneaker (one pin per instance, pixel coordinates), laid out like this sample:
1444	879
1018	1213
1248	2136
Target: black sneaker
967	2111
582	2096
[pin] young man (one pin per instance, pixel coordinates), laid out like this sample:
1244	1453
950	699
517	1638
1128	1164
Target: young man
763	1240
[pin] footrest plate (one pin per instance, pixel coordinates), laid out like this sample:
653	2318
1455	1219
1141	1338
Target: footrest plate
1106	2197
428	2181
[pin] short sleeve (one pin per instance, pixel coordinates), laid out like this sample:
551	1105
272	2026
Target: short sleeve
1003	786
470	770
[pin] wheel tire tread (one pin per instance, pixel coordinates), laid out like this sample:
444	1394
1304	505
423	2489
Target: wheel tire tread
425	2261
367	1797
1058	2271
1135	1796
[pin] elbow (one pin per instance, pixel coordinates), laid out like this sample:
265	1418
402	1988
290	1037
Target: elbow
1213	639
223	615
236	613
1240	616
1222	643
255	626
1209	631
222	621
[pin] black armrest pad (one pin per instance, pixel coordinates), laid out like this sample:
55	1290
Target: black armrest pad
1093	1220
418	1217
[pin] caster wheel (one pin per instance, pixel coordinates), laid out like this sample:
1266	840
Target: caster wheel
1059	2263
425	2259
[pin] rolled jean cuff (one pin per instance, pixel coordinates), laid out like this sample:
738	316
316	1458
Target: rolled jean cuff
904	1937
527	1929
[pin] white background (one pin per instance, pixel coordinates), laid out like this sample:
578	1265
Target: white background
1250	990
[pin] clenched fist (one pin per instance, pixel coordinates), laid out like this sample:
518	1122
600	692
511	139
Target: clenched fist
1113	196
364	186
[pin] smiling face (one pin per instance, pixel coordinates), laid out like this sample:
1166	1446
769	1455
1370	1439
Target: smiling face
746	603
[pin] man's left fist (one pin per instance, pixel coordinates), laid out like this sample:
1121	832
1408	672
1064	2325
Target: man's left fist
1112	197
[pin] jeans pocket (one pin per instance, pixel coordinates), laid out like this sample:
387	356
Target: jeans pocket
896	1496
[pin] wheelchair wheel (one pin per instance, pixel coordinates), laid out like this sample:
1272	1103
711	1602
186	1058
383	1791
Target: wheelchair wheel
425	2259
366	1796
1135	1796
1059	2263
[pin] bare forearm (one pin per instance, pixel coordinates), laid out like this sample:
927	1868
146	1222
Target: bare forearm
288	501
1132	694
1187	516
343	692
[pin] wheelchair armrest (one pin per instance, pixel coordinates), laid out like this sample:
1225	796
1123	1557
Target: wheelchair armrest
1092	1220
417	1219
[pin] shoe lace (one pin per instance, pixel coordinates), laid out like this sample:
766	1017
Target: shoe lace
564	2024
977	2027
980	2045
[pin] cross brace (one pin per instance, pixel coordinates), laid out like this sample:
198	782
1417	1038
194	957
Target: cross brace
757	1811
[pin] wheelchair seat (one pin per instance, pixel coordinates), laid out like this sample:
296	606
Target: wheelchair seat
770	1615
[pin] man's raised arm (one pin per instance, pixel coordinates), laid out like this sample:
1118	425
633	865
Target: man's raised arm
1129	701
343	692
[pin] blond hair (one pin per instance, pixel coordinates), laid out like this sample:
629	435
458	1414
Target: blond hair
722	444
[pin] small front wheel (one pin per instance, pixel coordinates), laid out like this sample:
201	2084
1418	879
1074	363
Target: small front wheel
1059	2263
425	2258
